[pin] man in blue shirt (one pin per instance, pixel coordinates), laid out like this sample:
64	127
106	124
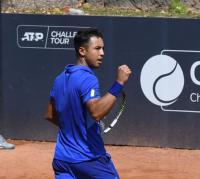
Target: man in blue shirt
76	107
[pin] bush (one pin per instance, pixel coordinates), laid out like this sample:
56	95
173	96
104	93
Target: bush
177	7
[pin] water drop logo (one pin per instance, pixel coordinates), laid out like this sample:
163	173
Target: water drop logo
162	80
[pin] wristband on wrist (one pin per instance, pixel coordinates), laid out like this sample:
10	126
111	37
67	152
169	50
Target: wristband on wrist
115	89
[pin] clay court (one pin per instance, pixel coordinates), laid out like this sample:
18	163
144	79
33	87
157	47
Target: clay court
32	160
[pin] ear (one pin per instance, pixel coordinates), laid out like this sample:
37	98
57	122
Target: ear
82	51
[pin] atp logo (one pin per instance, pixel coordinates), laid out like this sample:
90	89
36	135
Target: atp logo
32	36
162	80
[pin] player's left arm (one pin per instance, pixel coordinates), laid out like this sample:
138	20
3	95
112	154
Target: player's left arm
99	108
51	114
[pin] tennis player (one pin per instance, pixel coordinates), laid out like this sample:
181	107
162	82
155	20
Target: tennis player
76	107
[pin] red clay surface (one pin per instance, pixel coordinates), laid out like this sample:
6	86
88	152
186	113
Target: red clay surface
32	160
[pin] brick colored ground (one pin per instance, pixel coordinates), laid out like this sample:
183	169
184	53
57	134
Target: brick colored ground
32	160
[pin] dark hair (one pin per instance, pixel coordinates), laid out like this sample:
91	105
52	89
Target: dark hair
82	38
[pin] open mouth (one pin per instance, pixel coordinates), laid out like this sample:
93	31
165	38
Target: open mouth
99	61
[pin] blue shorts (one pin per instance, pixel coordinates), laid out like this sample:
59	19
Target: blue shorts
100	168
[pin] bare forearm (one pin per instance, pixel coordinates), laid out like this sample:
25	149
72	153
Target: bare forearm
51	114
52	120
101	107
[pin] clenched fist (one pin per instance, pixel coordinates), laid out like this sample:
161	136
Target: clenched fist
123	74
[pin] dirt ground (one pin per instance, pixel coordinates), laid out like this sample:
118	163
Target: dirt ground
32	160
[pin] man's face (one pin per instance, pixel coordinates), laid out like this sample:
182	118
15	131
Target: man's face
94	52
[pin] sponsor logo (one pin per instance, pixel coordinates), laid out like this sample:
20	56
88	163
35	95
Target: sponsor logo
171	80
32	36
92	92
46	37
162	80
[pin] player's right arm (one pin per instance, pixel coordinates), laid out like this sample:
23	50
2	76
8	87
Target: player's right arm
100	107
51	114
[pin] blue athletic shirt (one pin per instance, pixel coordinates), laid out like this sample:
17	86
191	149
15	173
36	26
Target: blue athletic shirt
79	137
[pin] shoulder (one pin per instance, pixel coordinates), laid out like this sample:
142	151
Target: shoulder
59	77
90	80
85	76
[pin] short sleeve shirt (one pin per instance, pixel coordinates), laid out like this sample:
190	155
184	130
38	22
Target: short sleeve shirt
79	137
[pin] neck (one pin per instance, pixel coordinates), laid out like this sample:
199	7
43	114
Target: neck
81	61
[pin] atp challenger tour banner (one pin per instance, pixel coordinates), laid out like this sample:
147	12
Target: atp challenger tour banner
161	108
46	37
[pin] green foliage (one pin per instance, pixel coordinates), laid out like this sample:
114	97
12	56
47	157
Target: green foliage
177	7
